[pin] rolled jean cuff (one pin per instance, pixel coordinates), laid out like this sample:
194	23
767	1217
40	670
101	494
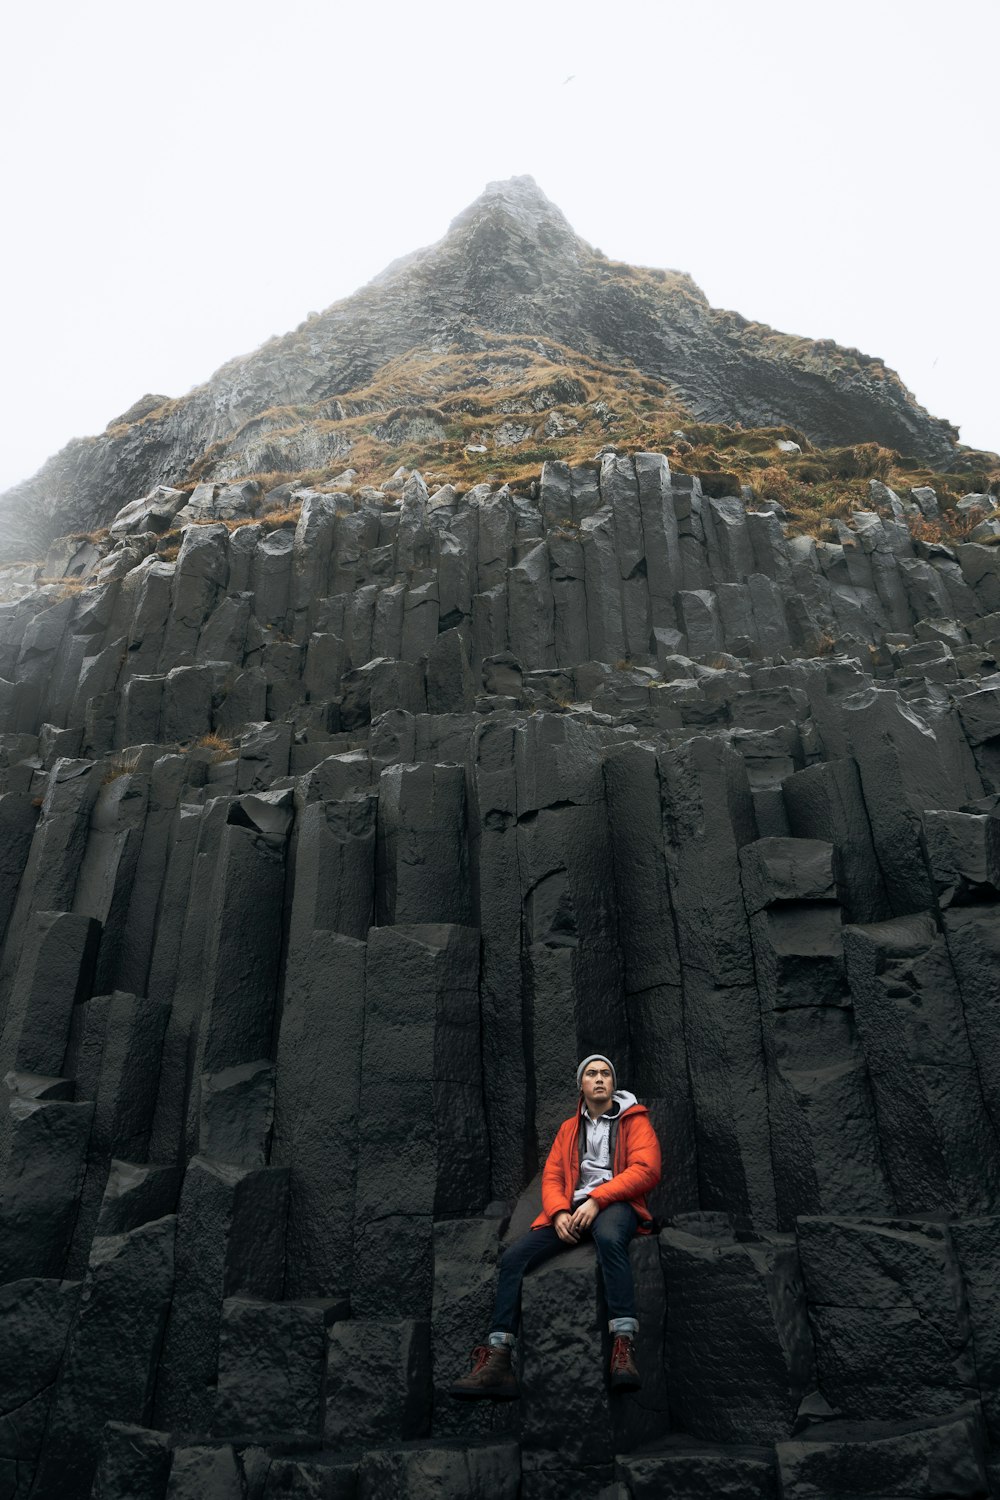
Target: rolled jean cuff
623	1325
498	1339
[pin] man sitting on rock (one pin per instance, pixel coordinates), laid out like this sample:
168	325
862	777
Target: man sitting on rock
603	1162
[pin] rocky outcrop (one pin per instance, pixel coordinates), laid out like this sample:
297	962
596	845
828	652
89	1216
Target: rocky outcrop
510	278
326	852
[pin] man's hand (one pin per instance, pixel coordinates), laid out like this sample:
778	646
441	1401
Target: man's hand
562	1224
583	1218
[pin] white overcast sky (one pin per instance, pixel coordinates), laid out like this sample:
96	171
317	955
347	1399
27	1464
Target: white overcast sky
181	181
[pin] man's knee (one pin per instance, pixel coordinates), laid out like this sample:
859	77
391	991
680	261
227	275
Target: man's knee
615	1224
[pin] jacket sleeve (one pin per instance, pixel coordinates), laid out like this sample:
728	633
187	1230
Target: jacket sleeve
557	1193
642	1169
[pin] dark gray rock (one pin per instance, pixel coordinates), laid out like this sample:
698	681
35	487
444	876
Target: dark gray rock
976	1244
937	1138
43	1171
825	801
903	771
237	1113
203	1472
422	1146
134	1461
316	1101
888	1316
271	1365
422	1471
422	854
35	1318
110	1365
230	1240
135	1194
688	1470
913	1459
738	1352
378	1382
973	938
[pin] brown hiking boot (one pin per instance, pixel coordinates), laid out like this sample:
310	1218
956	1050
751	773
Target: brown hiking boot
490	1379
624	1375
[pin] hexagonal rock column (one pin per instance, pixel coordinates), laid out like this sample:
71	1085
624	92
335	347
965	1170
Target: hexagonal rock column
707	817
977	1245
378	1382
905	767
425	1471
973	937
114	1056
54	975
272	1358
134	1461
43	1172
241	958
888	1315
654	1000
920	1460
35	1317
685	1469
738	1353
422	1151
937	1138
824	1141
423	865
230	1239
111	1358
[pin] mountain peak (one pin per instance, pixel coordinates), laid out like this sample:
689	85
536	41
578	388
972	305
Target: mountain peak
507	338
514	201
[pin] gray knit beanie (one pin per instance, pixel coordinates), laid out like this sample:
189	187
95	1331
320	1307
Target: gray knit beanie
596	1057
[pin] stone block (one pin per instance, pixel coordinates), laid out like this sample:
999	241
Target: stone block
54	975
110	1365
825	801
424	1471
916	1460
133	1461
137	1193
237	1113
423	863
378	1382
888	1316
738	1353
685	1469
422	1142
230	1240
271	1365
42	1179
936	1135
973	937
205	1472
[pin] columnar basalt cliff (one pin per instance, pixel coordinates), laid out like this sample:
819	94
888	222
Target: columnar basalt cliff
330	843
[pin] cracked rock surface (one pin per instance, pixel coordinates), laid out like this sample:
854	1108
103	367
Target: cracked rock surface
326	853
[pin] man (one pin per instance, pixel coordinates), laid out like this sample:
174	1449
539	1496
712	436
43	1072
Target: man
603	1162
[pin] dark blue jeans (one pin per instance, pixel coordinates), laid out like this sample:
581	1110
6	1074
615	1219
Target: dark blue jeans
613	1230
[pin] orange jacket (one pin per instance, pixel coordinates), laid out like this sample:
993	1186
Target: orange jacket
636	1168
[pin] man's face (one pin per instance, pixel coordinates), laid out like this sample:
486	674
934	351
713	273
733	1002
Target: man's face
597	1085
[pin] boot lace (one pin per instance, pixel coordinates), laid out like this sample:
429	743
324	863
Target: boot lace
621	1352
481	1358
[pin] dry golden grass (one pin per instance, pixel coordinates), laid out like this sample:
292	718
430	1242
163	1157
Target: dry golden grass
120	765
66	588
218	745
428	408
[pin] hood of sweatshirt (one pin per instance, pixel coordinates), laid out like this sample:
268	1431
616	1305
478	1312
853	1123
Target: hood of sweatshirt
621	1100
